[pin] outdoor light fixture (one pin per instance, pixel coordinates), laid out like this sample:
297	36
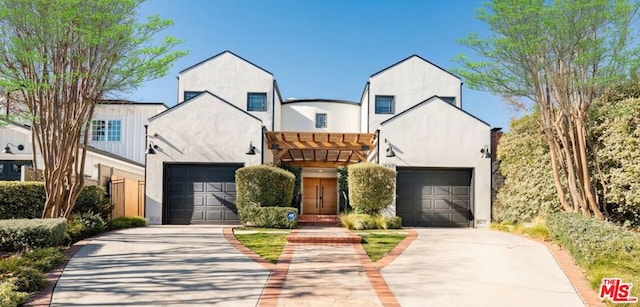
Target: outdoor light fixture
275	146
485	153
7	149
152	149
252	149
390	153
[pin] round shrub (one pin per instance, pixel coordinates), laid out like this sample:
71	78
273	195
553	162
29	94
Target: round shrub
93	199
371	187
262	186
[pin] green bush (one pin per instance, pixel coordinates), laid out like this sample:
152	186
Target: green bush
297	172
371	187
93	199
9	296
126	222
591	241
357	221
25	200
24	234
28	279
343	188
269	217
262	186
21	200
42	259
83	226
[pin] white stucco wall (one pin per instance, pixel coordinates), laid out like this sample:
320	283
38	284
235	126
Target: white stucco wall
410	82
133	117
301	116
438	135
231	78
364	109
202	130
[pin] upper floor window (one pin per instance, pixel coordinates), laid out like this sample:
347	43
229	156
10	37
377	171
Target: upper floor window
106	130
384	105
257	102
190	94
321	120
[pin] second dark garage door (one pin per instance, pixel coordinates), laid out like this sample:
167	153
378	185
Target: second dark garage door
434	198
200	194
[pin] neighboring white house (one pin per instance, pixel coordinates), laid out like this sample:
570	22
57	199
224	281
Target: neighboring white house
116	146
231	114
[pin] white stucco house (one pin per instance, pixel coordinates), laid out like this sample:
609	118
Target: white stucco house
230	114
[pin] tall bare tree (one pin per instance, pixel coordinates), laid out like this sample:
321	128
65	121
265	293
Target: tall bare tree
559	55
63	56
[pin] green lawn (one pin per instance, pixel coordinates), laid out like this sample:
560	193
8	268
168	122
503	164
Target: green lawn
378	243
268	243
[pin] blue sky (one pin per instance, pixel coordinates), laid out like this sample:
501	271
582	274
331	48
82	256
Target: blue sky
322	49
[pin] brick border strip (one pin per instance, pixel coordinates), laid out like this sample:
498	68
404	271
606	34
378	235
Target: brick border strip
228	234
398	250
380	286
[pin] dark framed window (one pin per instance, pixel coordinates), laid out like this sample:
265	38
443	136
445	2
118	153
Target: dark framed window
190	94
256	101
106	130
384	105
321	120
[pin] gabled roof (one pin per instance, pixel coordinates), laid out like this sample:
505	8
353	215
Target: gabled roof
428	100
419	57
129	102
194	98
219	54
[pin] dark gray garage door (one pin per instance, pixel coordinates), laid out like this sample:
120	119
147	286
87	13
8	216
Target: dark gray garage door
200	194
434	198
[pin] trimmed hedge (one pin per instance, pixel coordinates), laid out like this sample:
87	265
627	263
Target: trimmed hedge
297	184
364	221
25	234
126	222
262	186
82	226
591	241
371	187
25	200
269	217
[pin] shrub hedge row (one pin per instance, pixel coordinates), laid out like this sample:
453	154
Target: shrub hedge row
371	187
365	221
25	200
269	217
25	234
591	241
263	186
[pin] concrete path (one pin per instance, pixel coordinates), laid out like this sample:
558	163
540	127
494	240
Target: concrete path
472	267
161	265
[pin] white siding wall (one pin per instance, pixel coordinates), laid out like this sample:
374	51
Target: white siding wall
133	117
435	134
364	110
216	133
301	116
410	82
230	78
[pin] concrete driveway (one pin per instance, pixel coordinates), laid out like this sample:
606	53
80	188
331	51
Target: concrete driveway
160	265
473	267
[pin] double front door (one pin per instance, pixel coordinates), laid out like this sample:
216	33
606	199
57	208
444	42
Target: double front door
319	196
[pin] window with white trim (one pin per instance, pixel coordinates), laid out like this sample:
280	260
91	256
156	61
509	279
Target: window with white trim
321	120
106	130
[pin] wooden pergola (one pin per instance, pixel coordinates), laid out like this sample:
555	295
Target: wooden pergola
319	149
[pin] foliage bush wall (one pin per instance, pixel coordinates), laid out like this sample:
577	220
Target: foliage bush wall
343	188
25	234
126	222
528	189
269	217
591	241
296	200
371	187
25	200
84	225
616	135
262	186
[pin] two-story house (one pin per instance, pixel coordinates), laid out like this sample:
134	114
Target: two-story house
230	114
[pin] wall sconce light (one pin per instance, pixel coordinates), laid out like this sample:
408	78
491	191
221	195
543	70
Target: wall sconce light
390	152
7	149
275	146
485	153
252	149
152	149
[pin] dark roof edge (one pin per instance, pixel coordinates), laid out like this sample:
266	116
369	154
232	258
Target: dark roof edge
129	102
430	99
219	54
414	55
114	156
277	89
193	98
366	86
320	100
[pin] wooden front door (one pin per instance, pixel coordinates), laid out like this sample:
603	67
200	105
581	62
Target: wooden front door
320	196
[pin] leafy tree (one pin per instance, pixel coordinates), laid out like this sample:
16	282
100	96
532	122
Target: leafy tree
558	55
528	189
59	58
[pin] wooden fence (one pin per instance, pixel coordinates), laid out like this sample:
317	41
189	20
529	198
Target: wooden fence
127	197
